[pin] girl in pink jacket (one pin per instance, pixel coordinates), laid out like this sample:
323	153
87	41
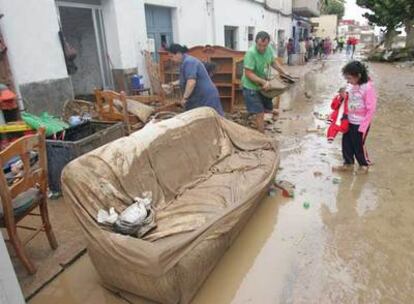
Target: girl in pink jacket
361	108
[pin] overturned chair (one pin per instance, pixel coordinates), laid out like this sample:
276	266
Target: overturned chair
206	175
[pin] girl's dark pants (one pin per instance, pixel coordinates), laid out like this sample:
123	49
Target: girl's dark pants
353	146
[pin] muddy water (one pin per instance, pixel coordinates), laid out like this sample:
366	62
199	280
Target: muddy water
354	244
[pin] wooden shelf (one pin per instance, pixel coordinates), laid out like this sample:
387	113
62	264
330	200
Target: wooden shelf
224	76
223	73
221	58
223	85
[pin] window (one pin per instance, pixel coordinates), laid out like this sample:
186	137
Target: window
250	35
230	37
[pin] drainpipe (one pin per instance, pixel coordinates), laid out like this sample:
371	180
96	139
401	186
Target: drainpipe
211	11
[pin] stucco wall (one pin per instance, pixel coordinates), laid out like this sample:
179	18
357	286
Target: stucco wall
126	36
192	23
249	13
30	29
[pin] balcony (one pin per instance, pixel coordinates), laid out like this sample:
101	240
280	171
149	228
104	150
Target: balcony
306	8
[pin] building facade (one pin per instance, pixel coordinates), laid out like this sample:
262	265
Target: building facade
302	11
363	32
325	26
109	37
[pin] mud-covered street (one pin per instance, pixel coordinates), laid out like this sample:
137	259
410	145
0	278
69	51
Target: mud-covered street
354	244
343	238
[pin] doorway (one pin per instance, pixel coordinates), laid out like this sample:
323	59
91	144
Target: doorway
281	47
230	37
83	29
159	27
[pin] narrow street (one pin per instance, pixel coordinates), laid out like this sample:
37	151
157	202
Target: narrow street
353	244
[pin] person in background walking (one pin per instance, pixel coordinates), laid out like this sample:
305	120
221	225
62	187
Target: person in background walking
361	110
327	47
341	43
302	51
335	45
348	47
257	62
310	48
321	49
315	47
195	82
354	43
290	50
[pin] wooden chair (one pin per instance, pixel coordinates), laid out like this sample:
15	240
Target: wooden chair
109	110
26	193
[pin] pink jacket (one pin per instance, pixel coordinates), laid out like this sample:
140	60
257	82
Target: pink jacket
362	105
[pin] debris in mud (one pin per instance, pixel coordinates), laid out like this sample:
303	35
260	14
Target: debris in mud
270	117
336	180
136	220
288	189
317	174
401	55
240	117
321	116
306	205
245	119
272	192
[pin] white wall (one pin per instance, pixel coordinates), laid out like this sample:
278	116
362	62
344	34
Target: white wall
30	29
192	23
111	32
126	32
201	22
248	13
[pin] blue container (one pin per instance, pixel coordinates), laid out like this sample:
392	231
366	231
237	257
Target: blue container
136	82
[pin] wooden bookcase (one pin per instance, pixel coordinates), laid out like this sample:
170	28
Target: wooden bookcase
226	77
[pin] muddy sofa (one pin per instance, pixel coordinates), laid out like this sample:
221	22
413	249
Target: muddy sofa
206	174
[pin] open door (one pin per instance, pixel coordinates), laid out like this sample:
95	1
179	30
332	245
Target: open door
83	29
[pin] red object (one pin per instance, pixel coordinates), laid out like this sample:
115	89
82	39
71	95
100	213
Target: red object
338	125
7	100
347	22
354	41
